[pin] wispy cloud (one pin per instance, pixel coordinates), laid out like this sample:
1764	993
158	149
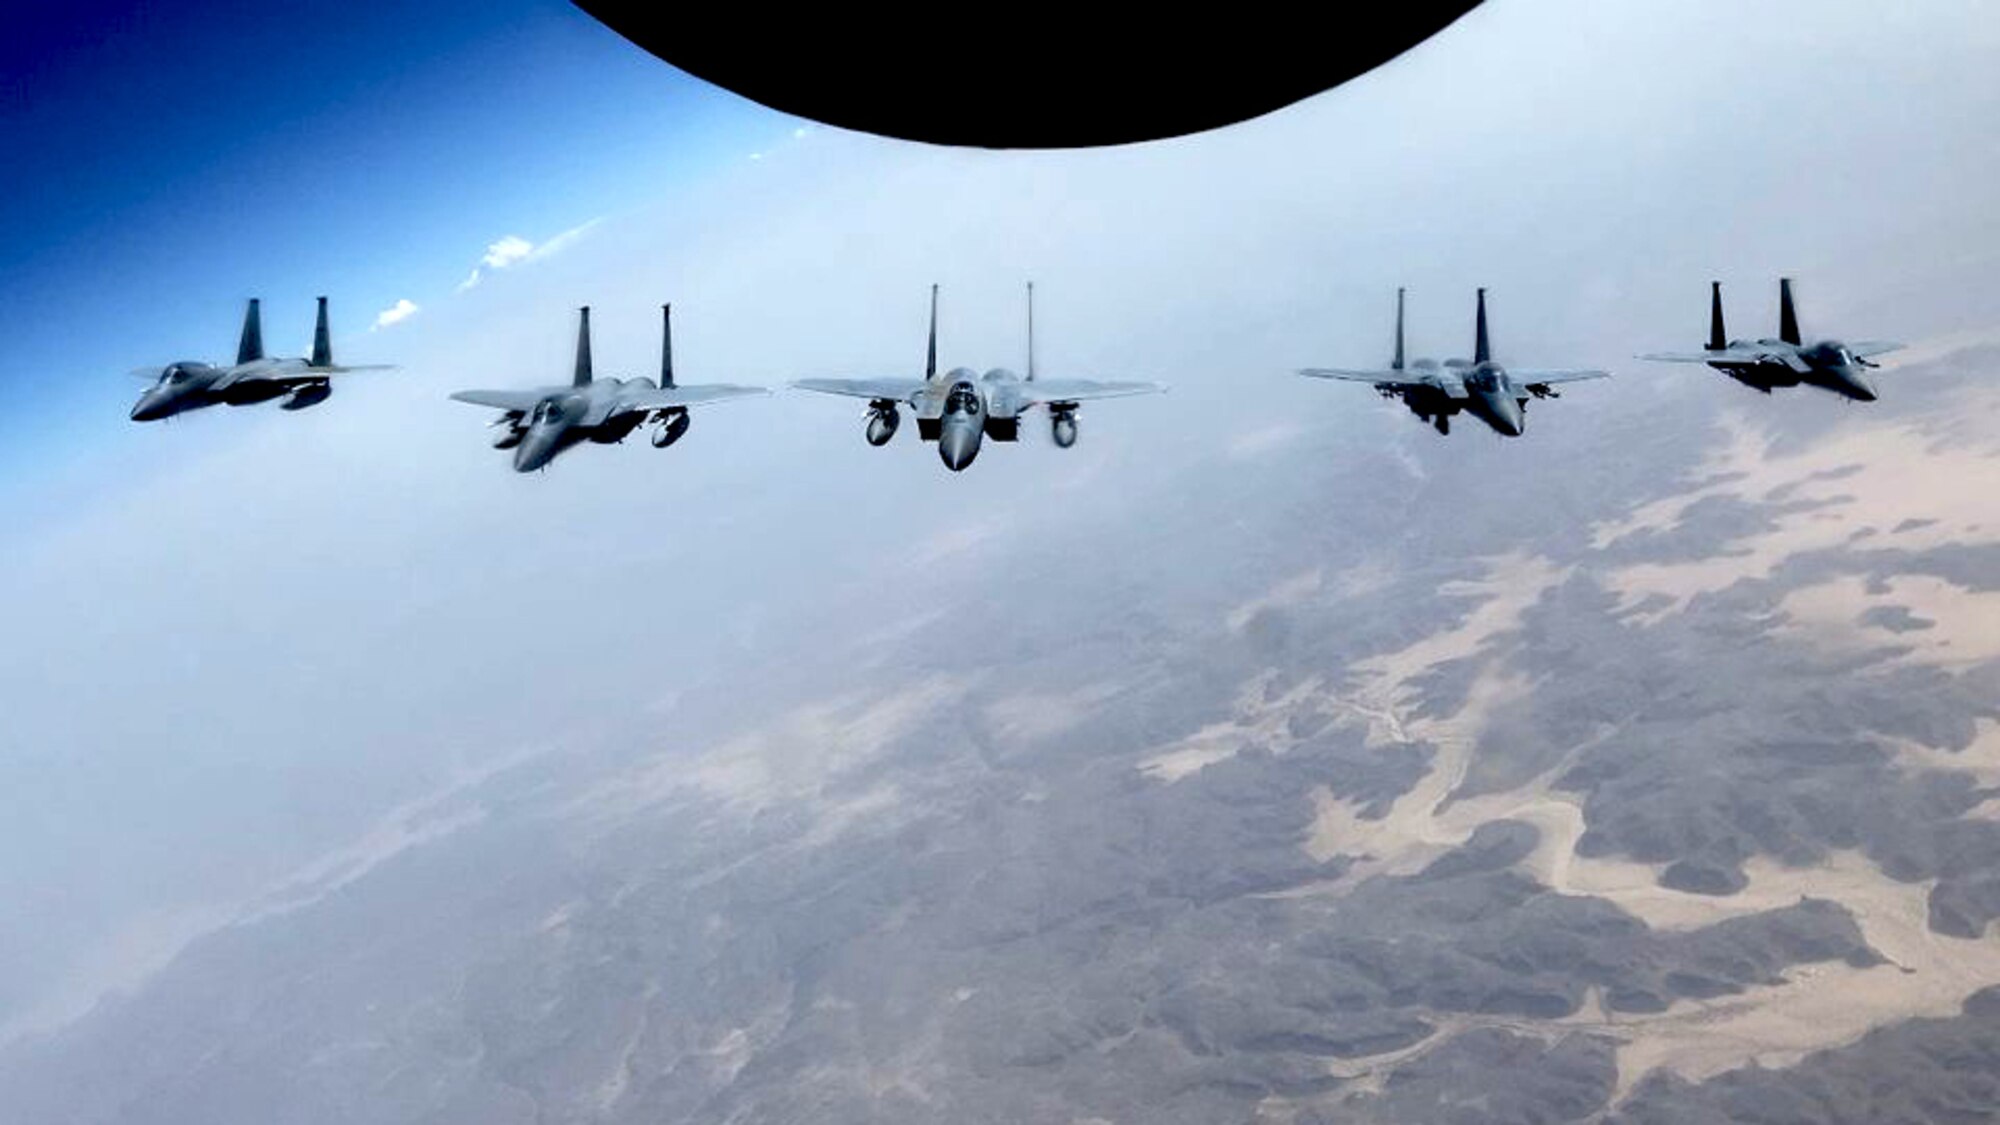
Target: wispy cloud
507	251
401	311
562	241
513	250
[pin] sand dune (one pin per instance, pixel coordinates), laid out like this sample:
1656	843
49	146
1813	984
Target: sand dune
1981	758
1260	720
1818	1006
1945	624
1920	484
1417	829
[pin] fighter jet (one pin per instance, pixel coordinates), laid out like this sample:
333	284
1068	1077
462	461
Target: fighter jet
255	377
537	424
1482	388
1785	361
962	407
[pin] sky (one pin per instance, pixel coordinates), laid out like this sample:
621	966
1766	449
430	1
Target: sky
169	161
239	641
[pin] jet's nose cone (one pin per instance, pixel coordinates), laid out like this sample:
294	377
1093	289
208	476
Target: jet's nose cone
1509	419
1858	386
147	409
957	447
535	451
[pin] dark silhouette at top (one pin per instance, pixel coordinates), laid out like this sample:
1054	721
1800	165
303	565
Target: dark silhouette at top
1022	80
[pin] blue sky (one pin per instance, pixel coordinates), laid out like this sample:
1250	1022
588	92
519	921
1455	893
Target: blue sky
168	161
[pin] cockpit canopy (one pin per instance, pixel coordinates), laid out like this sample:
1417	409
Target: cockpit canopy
549	410
963	399
174	374
1830	353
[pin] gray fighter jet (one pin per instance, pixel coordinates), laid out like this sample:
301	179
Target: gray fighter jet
962	407
1786	361
255	377
1435	391
539	423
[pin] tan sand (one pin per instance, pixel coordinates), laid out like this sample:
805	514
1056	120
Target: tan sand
1413	831
1943	468
1258	721
1819	1006
1964	630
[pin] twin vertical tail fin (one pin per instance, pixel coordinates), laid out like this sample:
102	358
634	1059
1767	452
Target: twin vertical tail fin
666	346
1397	363
1482	351
322	353
930	356
1788	317
1717	338
250	346
1031	331
583	376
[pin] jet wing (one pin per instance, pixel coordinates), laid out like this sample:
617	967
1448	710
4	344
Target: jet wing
666	398
1681	357
1442	380
1866	348
516	402
897	390
1547	375
1719	355
291	376
1080	390
243	378
1352	375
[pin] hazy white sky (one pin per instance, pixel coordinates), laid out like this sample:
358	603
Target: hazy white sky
264	631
